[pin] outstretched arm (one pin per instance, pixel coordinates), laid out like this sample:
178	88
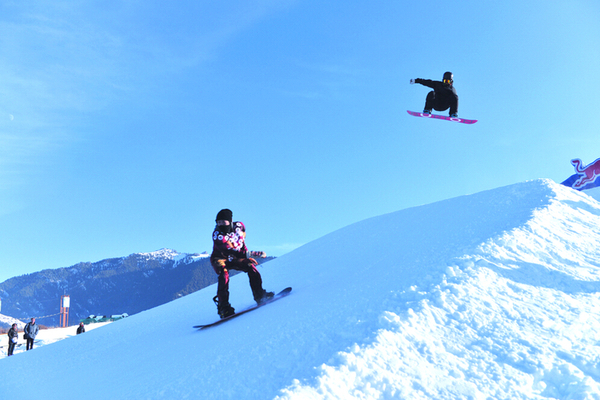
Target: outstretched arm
424	82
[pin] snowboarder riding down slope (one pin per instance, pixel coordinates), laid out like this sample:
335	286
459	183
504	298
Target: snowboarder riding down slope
230	252
443	95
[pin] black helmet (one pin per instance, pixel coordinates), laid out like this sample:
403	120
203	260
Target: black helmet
448	76
225	215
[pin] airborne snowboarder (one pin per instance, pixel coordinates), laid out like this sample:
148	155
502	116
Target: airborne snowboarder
443	95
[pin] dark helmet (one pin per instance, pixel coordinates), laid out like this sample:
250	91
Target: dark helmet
225	215
448	77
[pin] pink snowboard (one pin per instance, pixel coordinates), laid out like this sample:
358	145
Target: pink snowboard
435	116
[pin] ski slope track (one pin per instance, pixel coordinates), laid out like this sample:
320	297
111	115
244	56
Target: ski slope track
486	296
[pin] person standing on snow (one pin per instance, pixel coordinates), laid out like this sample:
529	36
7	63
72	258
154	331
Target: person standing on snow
443	95
30	332
230	252
13	337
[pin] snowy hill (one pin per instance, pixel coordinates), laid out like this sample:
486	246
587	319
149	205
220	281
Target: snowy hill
492	295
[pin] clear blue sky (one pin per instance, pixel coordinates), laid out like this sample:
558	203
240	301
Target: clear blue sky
126	127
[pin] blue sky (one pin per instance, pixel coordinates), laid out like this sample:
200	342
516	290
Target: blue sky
126	128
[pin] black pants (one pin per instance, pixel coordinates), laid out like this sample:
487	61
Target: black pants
243	265
11	347
29	343
433	103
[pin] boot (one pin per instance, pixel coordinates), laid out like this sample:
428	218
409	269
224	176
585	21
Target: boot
265	296
225	310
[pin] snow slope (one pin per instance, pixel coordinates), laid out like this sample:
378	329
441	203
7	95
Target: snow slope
492	295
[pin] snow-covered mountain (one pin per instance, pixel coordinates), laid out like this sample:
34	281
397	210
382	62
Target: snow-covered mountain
113	286
6	322
487	296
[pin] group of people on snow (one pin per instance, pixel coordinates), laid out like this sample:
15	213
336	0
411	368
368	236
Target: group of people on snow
29	333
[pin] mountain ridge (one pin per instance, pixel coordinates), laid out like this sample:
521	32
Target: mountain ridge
128	284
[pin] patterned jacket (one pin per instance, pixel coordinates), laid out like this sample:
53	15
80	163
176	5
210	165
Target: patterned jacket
230	246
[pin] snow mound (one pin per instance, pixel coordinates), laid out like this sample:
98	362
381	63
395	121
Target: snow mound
491	295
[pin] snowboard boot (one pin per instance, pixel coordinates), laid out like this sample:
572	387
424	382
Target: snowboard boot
427	112
265	296
225	310
455	115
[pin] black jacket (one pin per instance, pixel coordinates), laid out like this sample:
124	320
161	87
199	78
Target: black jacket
11	334
444	93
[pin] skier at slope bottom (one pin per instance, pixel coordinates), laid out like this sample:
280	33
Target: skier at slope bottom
230	252
443	95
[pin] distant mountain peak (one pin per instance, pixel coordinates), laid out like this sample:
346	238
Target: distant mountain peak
163	253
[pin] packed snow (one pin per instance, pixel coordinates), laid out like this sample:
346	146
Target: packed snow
486	296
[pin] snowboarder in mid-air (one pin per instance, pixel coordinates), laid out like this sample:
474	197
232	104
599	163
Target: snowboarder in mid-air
230	252
443	95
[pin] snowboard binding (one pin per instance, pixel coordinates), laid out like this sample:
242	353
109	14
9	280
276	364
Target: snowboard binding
224	310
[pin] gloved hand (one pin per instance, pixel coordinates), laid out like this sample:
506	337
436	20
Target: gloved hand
253	261
412	81
219	266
